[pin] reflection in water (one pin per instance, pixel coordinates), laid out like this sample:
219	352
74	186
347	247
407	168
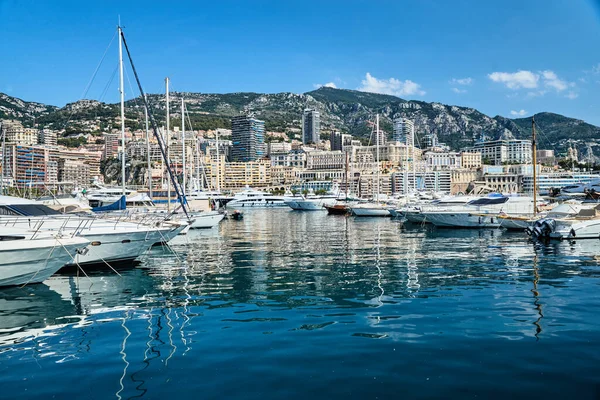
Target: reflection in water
280	298
536	296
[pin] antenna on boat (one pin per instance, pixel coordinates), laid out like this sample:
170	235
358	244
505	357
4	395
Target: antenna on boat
161	142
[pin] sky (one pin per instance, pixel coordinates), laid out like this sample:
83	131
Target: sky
512	58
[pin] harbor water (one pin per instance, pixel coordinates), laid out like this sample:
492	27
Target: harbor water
285	304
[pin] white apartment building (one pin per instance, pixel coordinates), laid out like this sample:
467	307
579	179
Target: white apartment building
292	159
279	147
436	160
404	131
498	152
405	182
323	160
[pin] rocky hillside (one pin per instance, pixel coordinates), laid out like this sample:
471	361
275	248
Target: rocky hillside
344	110
14	108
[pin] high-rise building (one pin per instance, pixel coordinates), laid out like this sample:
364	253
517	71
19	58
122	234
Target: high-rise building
111	146
339	140
47	137
404	129
311	126
378	138
248	139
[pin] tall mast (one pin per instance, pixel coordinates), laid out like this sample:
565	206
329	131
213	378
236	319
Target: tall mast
347	180
534	151
148	149
218	162
168	146
197	165
122	90
3	132
377	145
412	136
183	141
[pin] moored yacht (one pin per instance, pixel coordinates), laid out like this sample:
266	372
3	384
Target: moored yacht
255	198
584	225
30	257
483	212
112	240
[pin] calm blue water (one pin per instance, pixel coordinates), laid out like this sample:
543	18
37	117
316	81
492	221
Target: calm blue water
297	305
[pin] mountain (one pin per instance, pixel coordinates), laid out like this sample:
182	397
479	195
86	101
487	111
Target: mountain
345	110
14	108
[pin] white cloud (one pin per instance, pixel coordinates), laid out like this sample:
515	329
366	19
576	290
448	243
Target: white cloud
391	86
551	80
328	84
519	113
462	81
572	95
516	80
596	69
546	80
459	91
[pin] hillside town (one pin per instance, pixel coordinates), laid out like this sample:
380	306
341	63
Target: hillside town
306	157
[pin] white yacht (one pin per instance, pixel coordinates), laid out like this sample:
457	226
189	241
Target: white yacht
255	198
584	225
105	196
567	209
370	210
112	240
481	213
414	212
30	257
206	219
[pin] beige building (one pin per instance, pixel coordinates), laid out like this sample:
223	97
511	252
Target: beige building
16	133
470	160
254	173
74	171
283	175
461	178
321	160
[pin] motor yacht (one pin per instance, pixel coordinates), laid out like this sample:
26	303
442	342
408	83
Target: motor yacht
483	212
31	256
111	239
255	198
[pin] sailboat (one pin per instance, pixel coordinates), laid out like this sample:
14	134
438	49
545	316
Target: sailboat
201	219
374	208
341	207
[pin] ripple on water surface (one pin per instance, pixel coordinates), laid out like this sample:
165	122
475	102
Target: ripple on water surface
295	304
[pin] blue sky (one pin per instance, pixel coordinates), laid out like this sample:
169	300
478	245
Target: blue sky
512	58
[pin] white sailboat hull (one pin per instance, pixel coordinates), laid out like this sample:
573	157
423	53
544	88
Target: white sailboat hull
20	263
370	212
206	220
310	204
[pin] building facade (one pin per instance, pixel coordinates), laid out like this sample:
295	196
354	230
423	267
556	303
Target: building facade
311	126
248	139
498	152
404	129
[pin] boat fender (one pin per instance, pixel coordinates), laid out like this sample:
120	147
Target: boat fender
572	233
